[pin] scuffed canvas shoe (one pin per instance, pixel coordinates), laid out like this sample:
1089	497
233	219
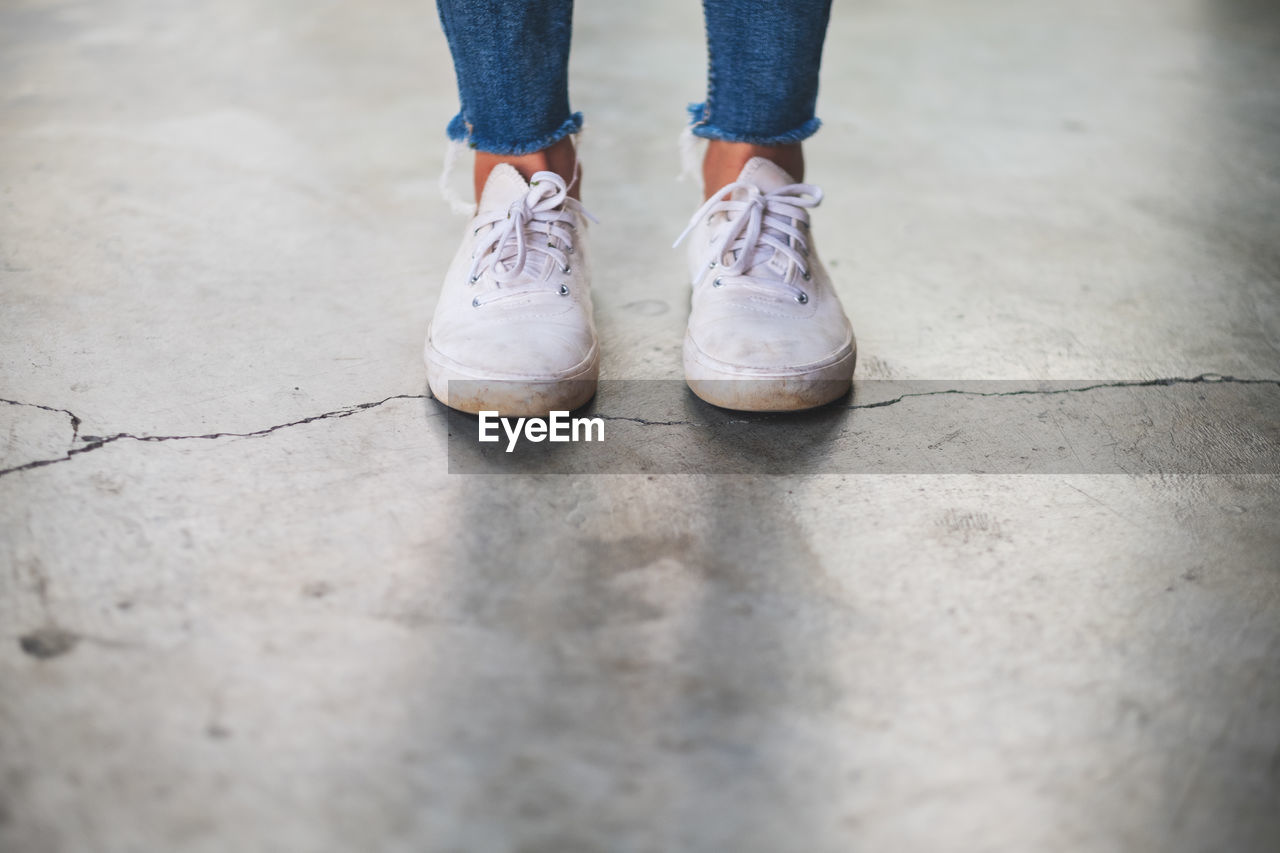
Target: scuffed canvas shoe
766	330
513	330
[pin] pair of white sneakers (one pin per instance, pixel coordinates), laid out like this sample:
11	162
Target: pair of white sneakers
514	331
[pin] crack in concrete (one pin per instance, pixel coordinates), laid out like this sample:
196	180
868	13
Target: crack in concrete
95	442
1208	378
1205	378
75	419
642	421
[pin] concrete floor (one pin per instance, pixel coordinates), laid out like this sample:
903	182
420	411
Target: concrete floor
222	219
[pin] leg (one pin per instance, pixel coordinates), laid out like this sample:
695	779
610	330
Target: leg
512	330
724	160
762	84
766	328
559	158
511	58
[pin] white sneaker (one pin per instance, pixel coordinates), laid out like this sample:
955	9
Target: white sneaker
766	330
513	330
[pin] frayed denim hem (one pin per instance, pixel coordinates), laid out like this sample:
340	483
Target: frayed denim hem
460	131
701	128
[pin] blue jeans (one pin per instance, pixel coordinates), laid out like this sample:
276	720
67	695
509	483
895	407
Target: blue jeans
512	62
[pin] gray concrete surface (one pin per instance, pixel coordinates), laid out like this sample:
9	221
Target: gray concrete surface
244	605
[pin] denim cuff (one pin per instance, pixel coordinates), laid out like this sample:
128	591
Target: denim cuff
460	131
703	128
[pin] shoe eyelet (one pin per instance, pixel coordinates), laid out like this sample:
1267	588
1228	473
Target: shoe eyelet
711	265
802	297
806	275
564	290
472	279
719	282
566	269
475	303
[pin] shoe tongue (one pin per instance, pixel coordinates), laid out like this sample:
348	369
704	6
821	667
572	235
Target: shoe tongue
765	174
504	186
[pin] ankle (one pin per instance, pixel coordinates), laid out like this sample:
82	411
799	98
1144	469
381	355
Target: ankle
560	158
724	161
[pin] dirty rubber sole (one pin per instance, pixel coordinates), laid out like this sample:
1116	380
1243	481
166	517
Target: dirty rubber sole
776	392
511	397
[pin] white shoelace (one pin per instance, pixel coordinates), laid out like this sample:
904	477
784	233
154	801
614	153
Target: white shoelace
527	243
758	229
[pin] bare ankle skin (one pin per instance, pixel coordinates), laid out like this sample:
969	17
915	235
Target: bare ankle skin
724	160
559	158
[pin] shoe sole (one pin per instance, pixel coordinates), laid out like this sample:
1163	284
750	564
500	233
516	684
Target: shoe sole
774	391
512	396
